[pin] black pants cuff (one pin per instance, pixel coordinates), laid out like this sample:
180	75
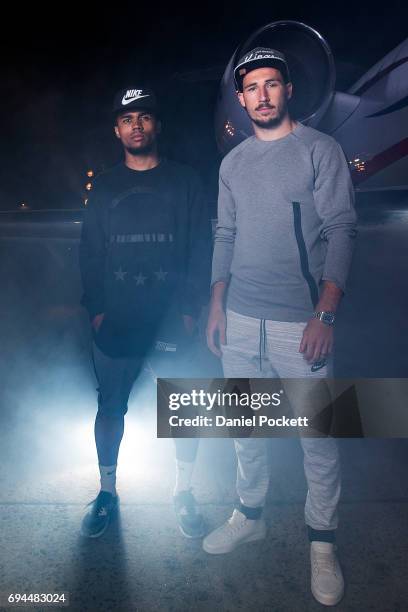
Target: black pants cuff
320	535
251	513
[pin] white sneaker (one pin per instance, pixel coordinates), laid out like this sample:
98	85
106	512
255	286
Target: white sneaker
237	530
326	576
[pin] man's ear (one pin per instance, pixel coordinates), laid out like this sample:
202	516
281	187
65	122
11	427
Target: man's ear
116	131
241	98
289	90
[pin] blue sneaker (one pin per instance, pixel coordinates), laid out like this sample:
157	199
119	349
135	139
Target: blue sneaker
191	523
97	520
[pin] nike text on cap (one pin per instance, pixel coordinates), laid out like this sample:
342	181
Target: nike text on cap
260	57
130	99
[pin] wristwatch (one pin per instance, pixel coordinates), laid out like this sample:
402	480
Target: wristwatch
326	317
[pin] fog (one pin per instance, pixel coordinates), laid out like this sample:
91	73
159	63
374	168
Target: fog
48	463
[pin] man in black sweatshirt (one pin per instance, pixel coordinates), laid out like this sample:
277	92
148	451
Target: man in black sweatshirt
144	259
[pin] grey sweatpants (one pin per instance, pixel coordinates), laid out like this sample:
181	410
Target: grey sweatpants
270	350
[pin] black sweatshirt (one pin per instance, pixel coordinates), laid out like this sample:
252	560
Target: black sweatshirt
144	255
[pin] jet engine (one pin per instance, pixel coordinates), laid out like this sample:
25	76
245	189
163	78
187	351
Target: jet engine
312	72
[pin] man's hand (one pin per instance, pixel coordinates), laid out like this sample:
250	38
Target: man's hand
317	341
97	321
189	324
216	326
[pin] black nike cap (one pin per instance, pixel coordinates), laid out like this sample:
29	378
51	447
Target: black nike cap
132	98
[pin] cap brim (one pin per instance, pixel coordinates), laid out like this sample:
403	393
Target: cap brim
259	63
136	106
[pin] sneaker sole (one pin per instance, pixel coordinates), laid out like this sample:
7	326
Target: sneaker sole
98	534
192	537
227	549
324	599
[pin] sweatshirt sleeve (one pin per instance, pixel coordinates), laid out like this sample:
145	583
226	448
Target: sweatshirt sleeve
195	292
334	201
225	232
92	253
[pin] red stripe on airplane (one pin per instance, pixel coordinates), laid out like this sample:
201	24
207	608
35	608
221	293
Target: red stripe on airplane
381	161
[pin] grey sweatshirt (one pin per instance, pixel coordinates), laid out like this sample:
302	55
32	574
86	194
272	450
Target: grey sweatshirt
286	222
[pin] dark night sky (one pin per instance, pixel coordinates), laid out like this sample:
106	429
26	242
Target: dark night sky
61	69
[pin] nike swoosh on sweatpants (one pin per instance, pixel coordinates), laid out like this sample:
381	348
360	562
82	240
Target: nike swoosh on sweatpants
318	365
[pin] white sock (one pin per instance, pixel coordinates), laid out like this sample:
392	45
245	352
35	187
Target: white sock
108	478
184	471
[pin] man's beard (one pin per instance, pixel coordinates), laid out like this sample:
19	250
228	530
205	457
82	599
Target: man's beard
145	150
273	122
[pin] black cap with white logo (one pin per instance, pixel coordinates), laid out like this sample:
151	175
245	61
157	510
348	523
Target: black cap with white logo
131	99
260	57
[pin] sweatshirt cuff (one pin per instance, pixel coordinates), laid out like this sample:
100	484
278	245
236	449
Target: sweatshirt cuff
220	279
339	284
93	307
190	306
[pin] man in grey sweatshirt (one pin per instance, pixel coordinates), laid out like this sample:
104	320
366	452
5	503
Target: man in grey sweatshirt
283	246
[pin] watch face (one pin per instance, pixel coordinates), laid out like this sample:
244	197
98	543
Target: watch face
327	317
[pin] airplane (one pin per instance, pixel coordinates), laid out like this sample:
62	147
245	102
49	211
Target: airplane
370	121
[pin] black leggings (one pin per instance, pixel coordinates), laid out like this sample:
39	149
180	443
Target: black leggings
116	378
